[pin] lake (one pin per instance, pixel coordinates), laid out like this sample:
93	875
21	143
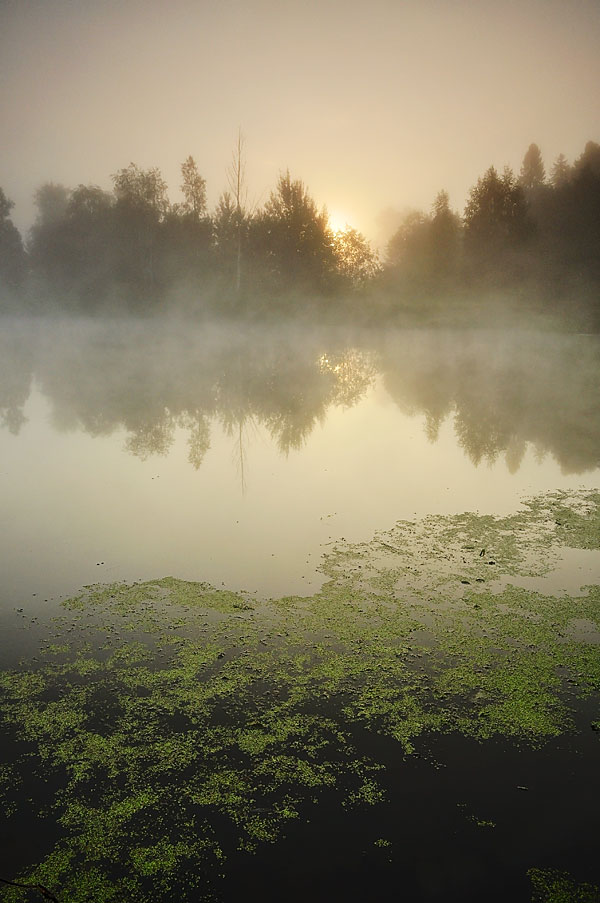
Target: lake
306	489
232	456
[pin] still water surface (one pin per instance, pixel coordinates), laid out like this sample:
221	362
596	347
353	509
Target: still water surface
131	450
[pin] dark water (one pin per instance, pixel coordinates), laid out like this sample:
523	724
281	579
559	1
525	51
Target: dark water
438	851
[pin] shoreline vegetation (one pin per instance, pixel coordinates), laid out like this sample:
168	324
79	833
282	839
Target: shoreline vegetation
167	732
524	245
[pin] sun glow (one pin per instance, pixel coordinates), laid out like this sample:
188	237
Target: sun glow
338	221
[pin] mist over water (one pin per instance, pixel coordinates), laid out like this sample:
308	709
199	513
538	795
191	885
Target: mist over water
231	452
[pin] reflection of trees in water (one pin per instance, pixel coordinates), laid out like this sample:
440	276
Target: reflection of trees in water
150	385
16	372
198	426
504	391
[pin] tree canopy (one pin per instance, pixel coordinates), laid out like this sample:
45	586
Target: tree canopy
12	253
133	249
496	213
533	173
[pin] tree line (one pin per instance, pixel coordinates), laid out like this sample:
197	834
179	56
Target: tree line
133	249
535	232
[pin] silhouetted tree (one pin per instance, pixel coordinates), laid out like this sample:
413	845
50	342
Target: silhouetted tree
184	235
231	226
13	259
293	240
51	200
408	249
495	216
89	247
567	216
143	190
588	164
356	262
141	206
445	232
230	233
533	173
583	196
48	239
194	189
236	177
225	227
423	251
561	172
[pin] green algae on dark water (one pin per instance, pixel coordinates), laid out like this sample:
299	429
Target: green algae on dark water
188	725
554	886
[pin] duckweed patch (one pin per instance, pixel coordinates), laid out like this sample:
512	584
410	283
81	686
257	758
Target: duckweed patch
553	886
188	724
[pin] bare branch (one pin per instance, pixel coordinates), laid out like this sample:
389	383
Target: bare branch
39	887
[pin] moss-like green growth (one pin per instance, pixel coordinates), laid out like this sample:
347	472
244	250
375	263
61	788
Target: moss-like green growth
185	723
552	886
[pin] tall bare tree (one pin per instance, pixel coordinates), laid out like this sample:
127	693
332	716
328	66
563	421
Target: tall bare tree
236	178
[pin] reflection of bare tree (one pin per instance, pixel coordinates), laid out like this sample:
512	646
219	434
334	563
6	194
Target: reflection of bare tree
505	392
237	428
133	378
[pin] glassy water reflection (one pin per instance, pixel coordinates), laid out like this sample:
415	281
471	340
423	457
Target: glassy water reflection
132	450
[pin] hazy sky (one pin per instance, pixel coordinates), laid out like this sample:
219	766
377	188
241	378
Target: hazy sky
374	104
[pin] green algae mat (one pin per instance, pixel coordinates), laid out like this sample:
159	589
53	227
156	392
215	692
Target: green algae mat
431	705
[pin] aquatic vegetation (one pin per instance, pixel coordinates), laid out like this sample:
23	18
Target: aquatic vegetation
189	725
552	886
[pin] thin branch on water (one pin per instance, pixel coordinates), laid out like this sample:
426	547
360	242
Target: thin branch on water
388	546
39	887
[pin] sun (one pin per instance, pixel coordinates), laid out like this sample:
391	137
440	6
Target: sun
338	221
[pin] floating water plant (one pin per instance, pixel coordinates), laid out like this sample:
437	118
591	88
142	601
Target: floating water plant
190	725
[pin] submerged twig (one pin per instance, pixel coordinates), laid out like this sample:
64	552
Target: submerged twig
388	546
39	887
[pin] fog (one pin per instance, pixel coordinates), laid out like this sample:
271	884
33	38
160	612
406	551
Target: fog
501	389
231	451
